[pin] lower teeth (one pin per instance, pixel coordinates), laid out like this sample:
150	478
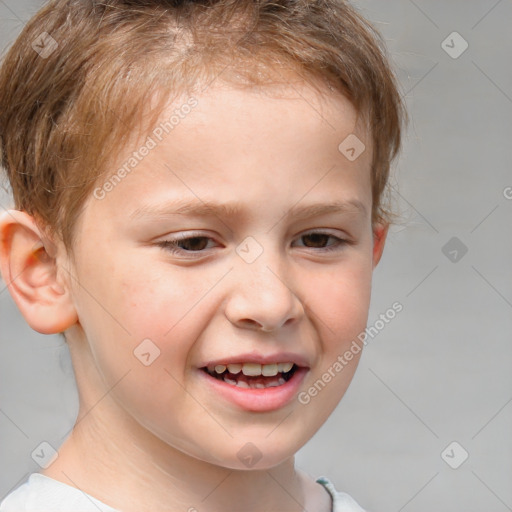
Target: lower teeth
257	385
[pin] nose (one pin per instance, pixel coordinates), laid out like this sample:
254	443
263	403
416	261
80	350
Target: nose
262	298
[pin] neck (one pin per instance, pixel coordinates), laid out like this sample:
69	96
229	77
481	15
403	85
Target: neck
135	471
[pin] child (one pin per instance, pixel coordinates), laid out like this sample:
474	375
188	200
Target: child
198	189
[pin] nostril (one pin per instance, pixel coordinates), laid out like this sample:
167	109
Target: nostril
253	324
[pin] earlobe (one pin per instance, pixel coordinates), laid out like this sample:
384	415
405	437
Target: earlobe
380	232
29	269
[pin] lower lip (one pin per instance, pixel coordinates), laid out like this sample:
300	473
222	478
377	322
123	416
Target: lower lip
258	400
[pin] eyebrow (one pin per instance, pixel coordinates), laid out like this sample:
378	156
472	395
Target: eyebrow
198	208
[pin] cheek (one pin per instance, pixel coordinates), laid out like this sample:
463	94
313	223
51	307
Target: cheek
162	305
340	299
145	300
121	309
339	303
140	329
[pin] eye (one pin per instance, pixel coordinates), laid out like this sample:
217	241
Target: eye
321	240
194	243
188	244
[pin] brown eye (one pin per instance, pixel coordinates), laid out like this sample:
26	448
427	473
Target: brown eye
188	246
196	243
317	240
320	240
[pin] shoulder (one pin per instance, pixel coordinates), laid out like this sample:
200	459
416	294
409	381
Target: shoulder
41	493
341	501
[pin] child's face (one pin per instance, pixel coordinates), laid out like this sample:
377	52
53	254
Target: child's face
273	265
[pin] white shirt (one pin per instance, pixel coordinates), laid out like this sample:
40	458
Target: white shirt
41	493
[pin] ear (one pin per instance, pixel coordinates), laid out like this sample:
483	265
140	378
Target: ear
30	273
380	232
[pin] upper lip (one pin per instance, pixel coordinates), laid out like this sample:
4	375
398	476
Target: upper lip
253	357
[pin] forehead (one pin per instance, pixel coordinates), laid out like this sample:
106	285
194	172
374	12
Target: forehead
255	142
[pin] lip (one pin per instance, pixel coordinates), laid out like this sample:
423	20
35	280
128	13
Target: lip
257	400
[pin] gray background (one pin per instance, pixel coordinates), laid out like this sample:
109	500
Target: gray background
441	370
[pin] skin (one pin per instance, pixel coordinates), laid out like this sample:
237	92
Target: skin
157	437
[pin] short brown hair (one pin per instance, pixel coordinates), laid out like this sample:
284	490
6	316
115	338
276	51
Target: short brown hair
64	115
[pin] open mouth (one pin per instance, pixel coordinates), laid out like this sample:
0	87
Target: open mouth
252	375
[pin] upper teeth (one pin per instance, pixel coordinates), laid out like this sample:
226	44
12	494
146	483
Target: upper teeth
255	369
